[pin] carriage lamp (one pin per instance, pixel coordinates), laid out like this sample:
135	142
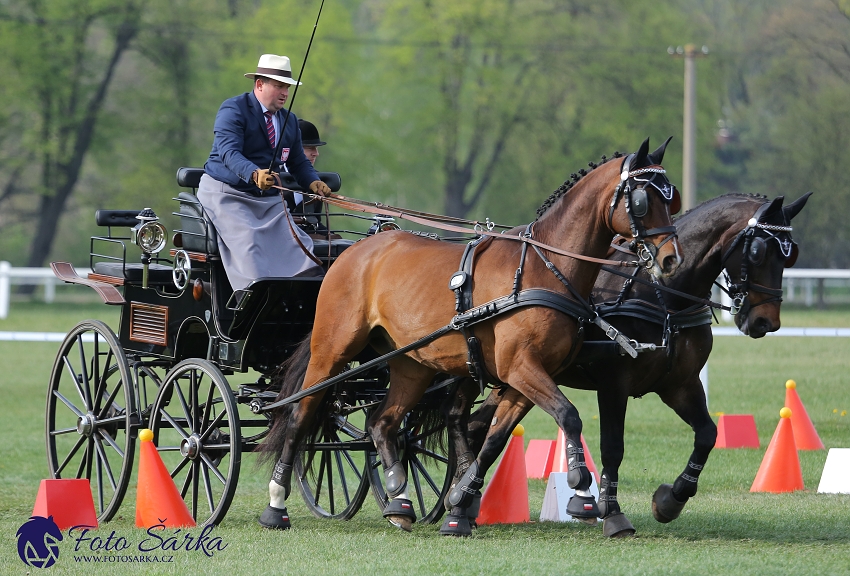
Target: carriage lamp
150	236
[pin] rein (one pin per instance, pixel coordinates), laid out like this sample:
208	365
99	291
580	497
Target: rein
444	223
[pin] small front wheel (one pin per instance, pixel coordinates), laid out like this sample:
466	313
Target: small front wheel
198	435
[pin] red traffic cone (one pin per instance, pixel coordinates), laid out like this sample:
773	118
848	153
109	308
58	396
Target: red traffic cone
157	500
562	465
505	501
737	431
805	434
539	458
780	469
68	501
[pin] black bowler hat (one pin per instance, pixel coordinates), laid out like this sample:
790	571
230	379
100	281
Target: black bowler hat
309	134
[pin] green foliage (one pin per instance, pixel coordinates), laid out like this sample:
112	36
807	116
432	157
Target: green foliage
477	108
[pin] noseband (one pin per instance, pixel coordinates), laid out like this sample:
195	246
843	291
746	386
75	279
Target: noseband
633	190
754	240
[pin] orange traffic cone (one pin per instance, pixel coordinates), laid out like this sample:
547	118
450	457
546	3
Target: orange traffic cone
737	431
505	501
157	500
561	464
805	434
780	469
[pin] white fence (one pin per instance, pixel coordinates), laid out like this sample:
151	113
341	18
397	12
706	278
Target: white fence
807	283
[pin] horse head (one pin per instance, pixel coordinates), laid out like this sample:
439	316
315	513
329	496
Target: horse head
648	199
755	261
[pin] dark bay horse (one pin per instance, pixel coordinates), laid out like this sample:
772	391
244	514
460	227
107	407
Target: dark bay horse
749	237
391	290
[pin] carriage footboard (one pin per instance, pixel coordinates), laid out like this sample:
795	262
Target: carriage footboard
107	292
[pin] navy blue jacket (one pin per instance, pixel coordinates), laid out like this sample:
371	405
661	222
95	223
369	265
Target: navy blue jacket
241	145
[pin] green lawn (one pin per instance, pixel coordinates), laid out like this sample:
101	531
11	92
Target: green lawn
723	530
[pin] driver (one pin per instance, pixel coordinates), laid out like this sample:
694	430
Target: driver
256	236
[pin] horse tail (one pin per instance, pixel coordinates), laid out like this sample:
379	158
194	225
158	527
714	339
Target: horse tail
290	377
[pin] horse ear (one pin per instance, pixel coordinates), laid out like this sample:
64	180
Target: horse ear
657	156
794	208
641	156
775	206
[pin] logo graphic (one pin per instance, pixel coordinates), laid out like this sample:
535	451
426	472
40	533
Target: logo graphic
284	154
38	542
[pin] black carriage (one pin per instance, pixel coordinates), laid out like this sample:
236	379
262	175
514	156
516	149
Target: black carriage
195	362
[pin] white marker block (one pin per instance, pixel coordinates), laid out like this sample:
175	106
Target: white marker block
835	478
558	494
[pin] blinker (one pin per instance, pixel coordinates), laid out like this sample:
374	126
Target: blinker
640	203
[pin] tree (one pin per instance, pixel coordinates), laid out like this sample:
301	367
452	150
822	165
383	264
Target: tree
63	74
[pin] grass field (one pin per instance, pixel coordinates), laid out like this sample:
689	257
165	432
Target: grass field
723	530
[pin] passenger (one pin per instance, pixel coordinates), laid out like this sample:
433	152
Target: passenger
310	141
256	236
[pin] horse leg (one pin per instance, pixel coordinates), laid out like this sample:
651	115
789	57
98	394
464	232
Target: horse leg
535	384
689	403
297	425
503	410
408	381
612	416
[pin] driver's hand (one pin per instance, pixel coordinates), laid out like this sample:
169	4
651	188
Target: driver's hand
264	179
320	188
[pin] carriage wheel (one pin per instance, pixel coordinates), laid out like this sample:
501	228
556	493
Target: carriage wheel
197	433
332	471
91	415
429	471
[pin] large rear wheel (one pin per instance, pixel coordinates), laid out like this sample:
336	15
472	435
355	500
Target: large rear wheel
91	417
198	435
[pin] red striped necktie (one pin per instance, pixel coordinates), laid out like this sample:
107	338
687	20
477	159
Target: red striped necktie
270	127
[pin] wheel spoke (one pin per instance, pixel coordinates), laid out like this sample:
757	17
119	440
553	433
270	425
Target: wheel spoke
74	379
208	488
207	409
186	411
213	467
213	425
417	465
177	428
111	442
68	403
110	401
418	485
84	371
342	479
102	460
70	455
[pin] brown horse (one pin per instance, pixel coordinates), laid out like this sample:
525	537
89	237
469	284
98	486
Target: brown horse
749	237
389	290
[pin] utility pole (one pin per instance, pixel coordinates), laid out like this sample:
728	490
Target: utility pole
689	137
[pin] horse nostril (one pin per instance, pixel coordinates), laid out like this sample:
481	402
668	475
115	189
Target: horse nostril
670	263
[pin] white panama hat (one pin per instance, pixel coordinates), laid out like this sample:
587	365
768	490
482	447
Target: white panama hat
274	67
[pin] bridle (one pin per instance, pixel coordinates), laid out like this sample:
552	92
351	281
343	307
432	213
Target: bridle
753	239
633	190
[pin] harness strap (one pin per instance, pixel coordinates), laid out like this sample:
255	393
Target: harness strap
502	305
378	208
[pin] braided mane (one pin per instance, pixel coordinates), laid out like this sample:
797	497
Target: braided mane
574	178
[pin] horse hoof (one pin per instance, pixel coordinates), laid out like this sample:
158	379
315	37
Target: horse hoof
403	522
456	525
665	507
580	507
399	512
275	518
589	521
617	526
